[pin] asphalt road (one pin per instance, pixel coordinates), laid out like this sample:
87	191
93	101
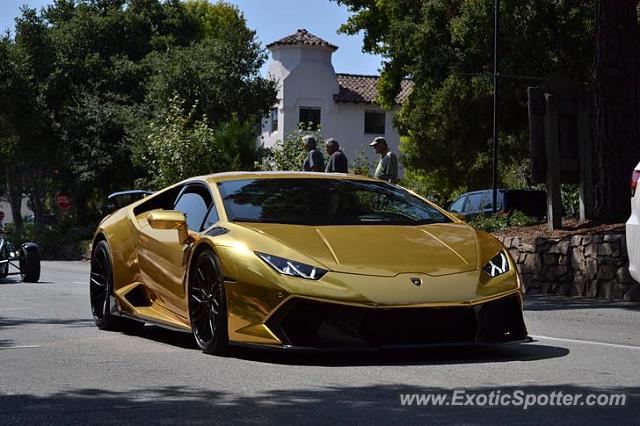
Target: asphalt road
57	367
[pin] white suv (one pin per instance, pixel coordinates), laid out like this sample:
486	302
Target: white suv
633	227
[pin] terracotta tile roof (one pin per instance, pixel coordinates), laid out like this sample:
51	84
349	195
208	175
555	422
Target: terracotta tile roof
302	37
363	89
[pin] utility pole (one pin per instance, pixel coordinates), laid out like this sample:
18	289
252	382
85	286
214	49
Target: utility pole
496	30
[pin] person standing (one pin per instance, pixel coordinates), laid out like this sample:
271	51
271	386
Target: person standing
314	161
387	168
338	162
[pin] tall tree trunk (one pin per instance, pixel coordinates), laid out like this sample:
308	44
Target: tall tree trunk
14	191
617	105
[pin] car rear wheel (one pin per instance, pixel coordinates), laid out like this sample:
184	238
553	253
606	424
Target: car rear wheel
101	293
207	304
29	263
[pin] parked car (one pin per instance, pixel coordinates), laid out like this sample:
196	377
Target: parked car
529	201
302	260
633	227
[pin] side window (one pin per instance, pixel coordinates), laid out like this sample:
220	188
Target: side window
487	201
474	203
457	205
212	217
163	200
194	203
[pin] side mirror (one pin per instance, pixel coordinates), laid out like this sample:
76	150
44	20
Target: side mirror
170	219
458	216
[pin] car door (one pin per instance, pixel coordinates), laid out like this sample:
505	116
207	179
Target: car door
163	258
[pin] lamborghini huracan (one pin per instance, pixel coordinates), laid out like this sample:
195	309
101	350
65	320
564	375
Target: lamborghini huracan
302	261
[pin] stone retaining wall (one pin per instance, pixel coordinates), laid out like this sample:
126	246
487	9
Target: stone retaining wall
581	265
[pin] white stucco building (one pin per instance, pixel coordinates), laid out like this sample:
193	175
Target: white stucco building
309	90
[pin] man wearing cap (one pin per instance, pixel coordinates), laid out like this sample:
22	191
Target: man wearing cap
338	162
387	168
314	161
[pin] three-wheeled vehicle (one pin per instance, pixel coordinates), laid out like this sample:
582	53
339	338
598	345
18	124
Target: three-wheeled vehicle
24	261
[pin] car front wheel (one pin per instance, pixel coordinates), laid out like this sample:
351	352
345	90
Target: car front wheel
101	293
207	304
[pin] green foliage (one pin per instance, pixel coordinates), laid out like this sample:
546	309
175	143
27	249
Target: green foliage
221	74
570	199
288	155
82	82
420	184
446	48
501	221
180	145
217	21
63	240
361	166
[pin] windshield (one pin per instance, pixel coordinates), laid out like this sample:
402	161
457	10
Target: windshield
324	202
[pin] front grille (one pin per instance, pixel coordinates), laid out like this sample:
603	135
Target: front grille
307	323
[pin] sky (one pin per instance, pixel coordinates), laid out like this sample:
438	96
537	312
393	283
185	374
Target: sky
272	20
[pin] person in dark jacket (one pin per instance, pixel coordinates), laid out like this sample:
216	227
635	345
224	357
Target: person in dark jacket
314	161
338	162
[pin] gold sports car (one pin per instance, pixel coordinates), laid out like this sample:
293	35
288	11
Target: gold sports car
302	260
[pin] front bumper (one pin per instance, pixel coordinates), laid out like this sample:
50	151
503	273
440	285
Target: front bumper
312	324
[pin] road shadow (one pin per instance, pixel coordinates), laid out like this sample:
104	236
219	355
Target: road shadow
432	356
341	404
556	303
19	322
9	280
422	356
168	337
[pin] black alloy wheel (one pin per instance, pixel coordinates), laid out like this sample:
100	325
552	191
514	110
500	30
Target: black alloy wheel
207	304
101	290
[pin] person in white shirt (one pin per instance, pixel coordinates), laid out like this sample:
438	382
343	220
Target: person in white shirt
387	168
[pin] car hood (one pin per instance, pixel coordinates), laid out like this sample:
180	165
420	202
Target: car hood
381	250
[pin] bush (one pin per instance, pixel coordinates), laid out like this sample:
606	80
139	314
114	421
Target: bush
570	199
361	165
288	155
501	221
61	241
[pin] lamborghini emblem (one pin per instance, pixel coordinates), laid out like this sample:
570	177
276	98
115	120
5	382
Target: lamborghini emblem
416	281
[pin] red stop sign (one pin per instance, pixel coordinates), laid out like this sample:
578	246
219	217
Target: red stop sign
63	201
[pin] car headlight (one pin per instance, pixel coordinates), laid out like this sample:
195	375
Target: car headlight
292	268
498	265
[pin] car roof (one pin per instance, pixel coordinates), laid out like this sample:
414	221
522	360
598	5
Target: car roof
229	176
480	192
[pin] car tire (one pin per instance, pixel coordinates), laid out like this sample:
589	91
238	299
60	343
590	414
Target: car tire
4	271
29	263
207	304
101	293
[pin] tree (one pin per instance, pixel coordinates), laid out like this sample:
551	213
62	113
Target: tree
26	93
617	105
446	48
83	81
180	145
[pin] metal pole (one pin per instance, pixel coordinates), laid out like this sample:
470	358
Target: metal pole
496	29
